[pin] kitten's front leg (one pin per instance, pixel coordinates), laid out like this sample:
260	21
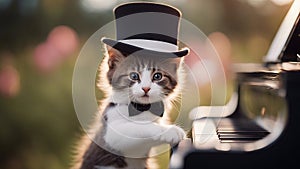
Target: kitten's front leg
172	134
137	139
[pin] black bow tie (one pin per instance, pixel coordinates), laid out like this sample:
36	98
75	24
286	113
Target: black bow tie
156	108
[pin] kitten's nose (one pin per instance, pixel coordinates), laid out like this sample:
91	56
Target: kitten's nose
146	89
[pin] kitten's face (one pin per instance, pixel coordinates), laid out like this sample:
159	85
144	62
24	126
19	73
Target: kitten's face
142	78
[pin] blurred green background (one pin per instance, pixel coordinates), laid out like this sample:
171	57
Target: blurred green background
41	39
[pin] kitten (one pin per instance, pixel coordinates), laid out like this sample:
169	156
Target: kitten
138	88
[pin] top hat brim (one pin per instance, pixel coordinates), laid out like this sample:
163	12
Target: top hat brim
129	49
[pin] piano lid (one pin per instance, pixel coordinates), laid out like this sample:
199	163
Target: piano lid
285	46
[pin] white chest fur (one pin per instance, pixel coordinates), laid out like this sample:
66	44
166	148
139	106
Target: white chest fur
134	136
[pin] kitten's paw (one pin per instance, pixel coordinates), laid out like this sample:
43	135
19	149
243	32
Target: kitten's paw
173	135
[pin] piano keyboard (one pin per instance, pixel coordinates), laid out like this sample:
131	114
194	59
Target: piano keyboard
239	130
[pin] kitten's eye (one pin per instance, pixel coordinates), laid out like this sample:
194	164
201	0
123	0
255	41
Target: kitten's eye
134	76
157	76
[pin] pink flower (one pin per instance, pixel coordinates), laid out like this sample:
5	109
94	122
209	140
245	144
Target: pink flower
46	57
9	81
62	41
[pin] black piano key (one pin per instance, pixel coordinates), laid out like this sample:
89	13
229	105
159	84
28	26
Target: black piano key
239	135
252	135
239	130
261	132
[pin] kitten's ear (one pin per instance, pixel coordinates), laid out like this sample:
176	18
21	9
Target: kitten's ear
115	57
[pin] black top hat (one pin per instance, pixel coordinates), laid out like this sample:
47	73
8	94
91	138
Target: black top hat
147	26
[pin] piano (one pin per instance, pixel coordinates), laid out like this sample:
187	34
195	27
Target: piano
260	126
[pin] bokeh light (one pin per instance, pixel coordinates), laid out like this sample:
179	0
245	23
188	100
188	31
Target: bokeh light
62	41
9	77
258	3
46	57
282	2
223	47
4	4
97	5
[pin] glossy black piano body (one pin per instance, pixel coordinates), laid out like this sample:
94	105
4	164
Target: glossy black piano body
244	138
244	152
